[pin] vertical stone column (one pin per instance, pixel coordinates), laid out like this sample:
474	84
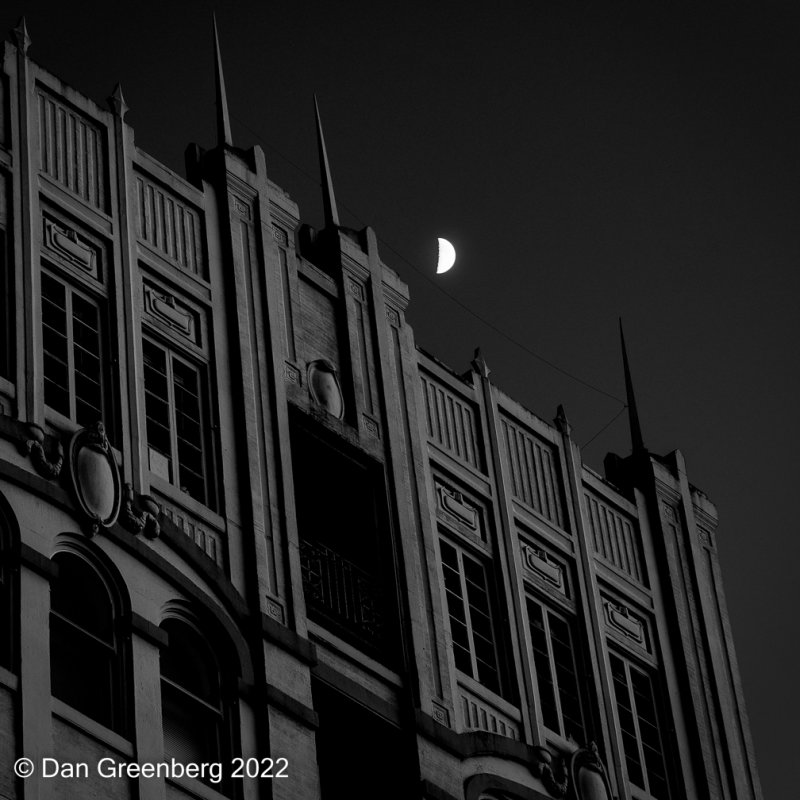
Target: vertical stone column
128	303
589	605
34	672
397	379
148	736
510	560
25	138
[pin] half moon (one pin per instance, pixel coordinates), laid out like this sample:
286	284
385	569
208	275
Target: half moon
447	256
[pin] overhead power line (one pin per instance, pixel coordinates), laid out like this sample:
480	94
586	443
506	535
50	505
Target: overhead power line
488	323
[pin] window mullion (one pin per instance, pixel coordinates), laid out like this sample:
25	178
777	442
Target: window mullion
462	574
553	672
173	418
70	331
635	715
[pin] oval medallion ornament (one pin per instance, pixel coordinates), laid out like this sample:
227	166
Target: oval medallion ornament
323	384
589	775
94	478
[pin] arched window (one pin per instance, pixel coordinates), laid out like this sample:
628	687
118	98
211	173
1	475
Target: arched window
8	597
196	697
87	652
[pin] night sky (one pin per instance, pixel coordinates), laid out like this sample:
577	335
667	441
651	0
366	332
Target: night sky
588	161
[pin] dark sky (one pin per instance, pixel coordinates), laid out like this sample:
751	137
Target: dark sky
588	160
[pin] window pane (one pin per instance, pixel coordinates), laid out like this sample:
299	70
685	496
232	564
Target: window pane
191	732
644	699
80	596
470	617
55	344
564	660
191	696
82	671
541	662
7	339
85	657
157	403
8	614
189	662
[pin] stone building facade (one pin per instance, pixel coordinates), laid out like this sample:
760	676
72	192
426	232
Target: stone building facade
243	517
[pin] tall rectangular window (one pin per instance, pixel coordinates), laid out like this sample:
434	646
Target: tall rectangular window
7	337
642	738
178	435
556	662
467	589
74	361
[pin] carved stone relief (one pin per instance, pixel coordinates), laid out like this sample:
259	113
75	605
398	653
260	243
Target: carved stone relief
94	478
323	385
588	775
163	307
543	565
140	517
455	508
621	619
47	460
66	243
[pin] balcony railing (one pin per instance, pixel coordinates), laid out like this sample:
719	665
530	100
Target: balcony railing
343	594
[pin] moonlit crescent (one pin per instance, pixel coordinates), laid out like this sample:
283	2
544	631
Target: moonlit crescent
447	256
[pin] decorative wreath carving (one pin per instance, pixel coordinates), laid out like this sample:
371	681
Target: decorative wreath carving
556	784
141	518
32	444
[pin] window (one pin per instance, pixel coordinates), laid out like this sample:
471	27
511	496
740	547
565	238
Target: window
345	542
555	660
178	437
194	698
639	725
467	590
73	337
7	338
86	650
384	767
8	597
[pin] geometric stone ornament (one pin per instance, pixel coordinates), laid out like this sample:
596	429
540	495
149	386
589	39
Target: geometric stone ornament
94	478
452	502
323	385
589	778
540	562
621	619
68	245
164	308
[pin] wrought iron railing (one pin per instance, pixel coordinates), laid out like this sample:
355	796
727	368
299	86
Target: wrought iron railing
343	593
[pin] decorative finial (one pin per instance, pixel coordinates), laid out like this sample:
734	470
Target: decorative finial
224	136
561	421
21	37
479	364
328	198
637	442
116	102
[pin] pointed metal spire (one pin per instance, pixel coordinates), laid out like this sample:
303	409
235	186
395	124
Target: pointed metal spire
21	36
116	102
479	364
224	136
561	421
637	442
328	198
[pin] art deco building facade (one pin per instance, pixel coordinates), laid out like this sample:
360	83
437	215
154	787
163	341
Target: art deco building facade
295	535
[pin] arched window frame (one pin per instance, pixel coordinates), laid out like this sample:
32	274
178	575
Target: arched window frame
9	588
117	648
228	671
